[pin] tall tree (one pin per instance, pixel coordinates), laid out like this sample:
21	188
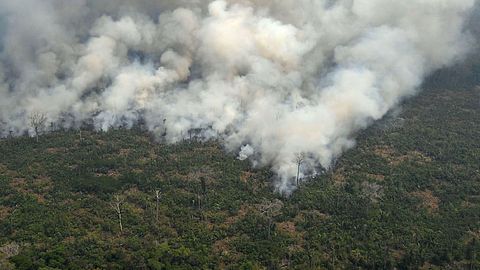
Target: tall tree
157	197
37	122
116	204
299	158
270	209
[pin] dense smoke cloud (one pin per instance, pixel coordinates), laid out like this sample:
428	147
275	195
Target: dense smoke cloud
272	78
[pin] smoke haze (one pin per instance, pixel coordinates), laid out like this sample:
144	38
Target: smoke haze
272	79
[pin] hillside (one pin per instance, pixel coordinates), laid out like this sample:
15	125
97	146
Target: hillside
407	196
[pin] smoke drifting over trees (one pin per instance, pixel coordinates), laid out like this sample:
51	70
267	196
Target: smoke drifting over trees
271	78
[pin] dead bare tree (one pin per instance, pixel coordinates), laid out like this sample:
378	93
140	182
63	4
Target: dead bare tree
6	252
299	158
270	209
201	190
116	204
203	182
37	122
157	196
10	249
164	133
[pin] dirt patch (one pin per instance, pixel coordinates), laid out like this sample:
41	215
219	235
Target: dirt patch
124	152
69	240
6	172
384	151
113	173
292	249
250	181
339	178
246	176
5	212
39	197
428	201
419	157
152	155
288	228
56	150
223	248
42	183
397	254
142	139
173	157
137	171
427	266
19	184
35	188
109	173
101	142
395	158
242	212
473	235
310	215
378	177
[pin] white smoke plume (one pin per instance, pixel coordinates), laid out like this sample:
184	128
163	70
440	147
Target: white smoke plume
272	79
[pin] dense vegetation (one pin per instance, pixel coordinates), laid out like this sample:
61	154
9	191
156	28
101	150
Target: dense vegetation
407	197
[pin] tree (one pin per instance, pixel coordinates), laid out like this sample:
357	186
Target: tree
201	190
7	252
157	196
37	122
204	185
270	209
116	205
299	158
164	133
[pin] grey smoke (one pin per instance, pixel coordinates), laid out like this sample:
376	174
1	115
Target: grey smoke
271	78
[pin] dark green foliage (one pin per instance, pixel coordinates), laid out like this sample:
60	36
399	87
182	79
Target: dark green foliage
408	196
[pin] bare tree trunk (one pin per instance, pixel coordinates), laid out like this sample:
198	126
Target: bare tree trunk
157	195
269	228
120	220
299	159
270	209
309	254
116	205
298	171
